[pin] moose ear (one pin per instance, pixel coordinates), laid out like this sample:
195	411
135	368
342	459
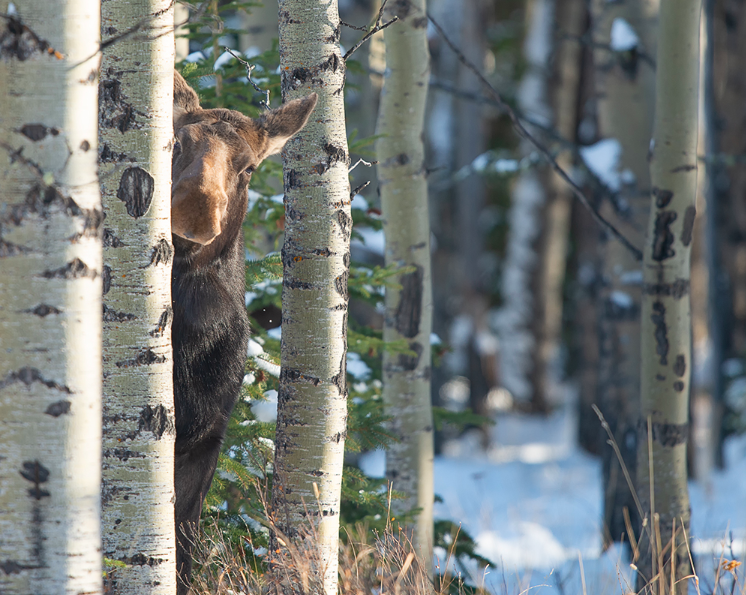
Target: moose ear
282	123
185	99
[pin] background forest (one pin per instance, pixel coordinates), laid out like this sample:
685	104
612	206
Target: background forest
566	412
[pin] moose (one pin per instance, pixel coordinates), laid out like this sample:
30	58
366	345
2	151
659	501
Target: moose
215	152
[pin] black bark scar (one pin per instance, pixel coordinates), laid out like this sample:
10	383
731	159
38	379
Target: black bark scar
661	331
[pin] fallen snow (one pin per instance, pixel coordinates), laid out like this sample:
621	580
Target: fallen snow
266	411
533	505
373	240
356	367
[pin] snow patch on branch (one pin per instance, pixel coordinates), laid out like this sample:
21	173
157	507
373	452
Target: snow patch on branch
623	36
603	160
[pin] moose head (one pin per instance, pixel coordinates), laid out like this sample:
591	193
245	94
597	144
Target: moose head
215	153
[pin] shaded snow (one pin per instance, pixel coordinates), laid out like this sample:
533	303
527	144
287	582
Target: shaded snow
623	36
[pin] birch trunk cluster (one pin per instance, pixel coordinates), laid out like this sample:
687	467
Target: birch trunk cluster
666	317
312	400
136	131
50	299
406	223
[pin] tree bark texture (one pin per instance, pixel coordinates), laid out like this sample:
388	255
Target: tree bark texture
625	91
136	131
50	300
312	400
666	318
404	201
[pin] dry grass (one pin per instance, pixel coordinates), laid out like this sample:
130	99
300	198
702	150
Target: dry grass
382	564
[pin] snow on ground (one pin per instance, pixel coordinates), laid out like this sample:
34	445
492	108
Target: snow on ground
533	504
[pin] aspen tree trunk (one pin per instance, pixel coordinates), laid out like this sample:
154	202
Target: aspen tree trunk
730	99
312	402
529	197
570	20
726	204
625	91
403	188
50	299
666	320
181	15
136	128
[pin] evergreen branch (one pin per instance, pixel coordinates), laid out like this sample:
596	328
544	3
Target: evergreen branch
523	132
379	26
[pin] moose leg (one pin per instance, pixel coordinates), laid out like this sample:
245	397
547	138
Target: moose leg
193	473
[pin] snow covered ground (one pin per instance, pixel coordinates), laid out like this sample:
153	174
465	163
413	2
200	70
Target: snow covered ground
533	504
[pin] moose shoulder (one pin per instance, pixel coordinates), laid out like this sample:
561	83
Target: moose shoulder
215	152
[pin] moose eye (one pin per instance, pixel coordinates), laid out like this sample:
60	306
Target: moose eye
177	147
250	170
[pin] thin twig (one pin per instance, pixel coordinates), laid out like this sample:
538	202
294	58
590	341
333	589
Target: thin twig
359	189
522	131
353	26
364	162
249	69
379	26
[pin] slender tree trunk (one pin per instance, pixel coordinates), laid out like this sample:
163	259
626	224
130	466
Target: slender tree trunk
312	402
571	19
50	300
625	90
726	204
666	320
135	122
403	187
730	99
515	320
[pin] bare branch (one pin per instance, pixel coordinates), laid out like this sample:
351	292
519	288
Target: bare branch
249	69
379	26
523	131
364	162
359	189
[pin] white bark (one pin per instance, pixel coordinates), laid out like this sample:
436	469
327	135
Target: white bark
403	189
50	300
136	130
312	403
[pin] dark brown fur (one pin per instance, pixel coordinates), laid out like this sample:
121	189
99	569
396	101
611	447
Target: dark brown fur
215	152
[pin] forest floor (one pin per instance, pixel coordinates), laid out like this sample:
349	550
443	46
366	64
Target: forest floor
533	504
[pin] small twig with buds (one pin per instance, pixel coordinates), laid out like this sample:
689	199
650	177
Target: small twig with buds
379	26
249	69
